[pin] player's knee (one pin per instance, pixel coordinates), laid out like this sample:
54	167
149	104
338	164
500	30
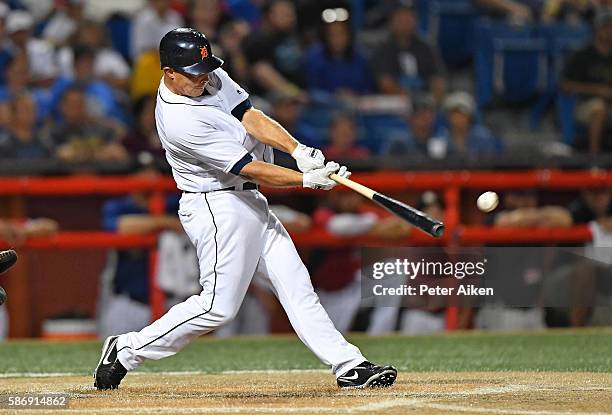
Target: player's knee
224	315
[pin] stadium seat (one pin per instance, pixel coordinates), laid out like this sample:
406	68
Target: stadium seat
510	62
119	27
520	68
450	26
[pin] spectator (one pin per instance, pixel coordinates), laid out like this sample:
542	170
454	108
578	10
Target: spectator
247	10
123	305
231	37
17	77
521	210
5	54
570	10
207	16
64	21
145	75
26	141
519	272
425	314
81	138
143	137
150	24
292	220
275	53
587	277
404	62
588	73
422	131
335	65
16	233
40	55
101	99
343	139
6	114
18	82
464	135
287	110
108	66
593	205
336	278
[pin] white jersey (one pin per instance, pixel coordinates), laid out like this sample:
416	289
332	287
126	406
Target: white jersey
205	142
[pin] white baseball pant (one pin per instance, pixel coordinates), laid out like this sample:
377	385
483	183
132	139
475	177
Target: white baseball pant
235	236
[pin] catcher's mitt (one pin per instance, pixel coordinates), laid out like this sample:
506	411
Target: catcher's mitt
7	259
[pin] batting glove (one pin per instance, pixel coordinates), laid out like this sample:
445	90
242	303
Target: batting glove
319	178
308	158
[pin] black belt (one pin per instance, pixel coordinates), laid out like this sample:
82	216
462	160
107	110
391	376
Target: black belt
245	186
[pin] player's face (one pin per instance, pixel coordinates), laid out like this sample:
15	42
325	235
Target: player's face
189	85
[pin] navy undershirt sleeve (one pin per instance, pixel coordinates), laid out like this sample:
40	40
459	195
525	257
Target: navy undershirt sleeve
241	108
241	163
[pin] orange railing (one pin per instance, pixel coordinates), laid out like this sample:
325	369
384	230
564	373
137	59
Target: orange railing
449	183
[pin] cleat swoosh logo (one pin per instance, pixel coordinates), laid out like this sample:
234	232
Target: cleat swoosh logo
355	376
108	352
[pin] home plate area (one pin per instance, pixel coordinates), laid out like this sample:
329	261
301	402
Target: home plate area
314	392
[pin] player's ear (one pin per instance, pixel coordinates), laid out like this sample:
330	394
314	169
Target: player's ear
169	72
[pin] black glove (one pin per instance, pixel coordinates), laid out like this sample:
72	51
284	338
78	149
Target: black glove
7	260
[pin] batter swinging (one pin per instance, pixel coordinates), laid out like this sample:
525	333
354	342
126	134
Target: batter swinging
219	147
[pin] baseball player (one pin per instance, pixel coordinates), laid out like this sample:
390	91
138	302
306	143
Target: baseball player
7	260
220	150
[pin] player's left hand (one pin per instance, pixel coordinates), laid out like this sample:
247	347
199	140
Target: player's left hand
308	158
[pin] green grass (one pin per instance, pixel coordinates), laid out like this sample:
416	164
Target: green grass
589	350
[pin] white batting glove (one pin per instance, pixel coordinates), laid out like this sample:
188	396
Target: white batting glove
344	172
319	178
308	158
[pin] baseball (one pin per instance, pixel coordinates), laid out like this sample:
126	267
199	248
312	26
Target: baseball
487	202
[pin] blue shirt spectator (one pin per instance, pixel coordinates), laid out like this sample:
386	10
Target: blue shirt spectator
17	83
464	135
477	141
422	125
5	58
131	275
335	66
101	97
245	10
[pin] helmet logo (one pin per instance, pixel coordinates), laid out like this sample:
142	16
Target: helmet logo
204	52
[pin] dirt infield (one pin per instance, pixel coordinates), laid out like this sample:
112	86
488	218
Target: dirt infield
313	392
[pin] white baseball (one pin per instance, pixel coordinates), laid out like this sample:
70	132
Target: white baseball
487	202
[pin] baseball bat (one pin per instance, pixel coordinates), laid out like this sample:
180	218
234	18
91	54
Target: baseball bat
7	259
413	216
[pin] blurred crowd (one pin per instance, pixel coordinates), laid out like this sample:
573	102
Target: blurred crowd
78	78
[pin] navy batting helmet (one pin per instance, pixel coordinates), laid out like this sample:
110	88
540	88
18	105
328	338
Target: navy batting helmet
188	51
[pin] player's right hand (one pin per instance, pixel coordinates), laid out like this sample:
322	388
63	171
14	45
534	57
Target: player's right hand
308	158
319	178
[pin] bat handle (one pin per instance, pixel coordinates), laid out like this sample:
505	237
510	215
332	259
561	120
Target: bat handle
359	188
